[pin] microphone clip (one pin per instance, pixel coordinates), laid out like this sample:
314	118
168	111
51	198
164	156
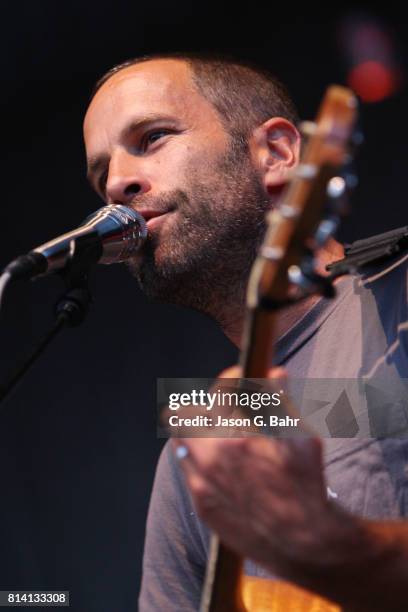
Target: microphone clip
84	251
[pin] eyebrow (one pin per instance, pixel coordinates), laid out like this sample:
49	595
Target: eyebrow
96	162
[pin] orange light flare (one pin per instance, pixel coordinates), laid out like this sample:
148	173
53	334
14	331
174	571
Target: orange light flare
373	81
373	67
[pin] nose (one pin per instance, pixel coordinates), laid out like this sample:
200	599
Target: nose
125	178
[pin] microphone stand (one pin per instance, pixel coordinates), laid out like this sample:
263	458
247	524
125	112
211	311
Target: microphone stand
71	308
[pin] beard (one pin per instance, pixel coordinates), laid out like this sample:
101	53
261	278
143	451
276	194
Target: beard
204	258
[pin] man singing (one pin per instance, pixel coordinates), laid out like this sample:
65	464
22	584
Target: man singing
202	149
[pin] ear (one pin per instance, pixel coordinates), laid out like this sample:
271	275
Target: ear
275	150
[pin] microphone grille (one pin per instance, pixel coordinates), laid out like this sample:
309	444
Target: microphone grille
120	246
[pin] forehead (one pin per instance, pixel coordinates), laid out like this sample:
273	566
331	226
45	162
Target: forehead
149	88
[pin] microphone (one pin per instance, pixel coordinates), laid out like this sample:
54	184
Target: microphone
112	234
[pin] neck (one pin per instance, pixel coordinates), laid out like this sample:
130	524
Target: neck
232	318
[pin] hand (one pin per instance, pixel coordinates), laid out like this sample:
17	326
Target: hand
267	500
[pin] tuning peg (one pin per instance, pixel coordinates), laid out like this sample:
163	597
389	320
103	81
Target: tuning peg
307	128
309	281
298	278
325	230
336	187
357	137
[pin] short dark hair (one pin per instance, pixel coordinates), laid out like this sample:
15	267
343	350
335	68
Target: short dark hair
243	94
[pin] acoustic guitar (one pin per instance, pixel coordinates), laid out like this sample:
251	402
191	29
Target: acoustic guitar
296	228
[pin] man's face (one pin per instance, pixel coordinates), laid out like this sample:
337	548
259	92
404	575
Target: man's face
153	142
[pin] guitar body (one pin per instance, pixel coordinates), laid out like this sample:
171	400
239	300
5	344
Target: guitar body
229	590
262	595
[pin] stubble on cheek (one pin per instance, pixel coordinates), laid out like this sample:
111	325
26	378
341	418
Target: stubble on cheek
218	216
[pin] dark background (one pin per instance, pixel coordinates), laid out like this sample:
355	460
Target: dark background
78	443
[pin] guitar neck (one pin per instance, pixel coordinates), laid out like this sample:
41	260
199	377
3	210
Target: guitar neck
222	592
256	355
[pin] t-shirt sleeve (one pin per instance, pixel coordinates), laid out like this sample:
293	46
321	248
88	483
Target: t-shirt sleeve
389	288
175	545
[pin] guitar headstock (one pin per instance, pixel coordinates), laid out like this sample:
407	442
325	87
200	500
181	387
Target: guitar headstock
296	227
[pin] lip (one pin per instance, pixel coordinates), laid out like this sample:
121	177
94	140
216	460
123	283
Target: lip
154	218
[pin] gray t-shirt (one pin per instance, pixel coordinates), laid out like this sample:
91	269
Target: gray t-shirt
361	334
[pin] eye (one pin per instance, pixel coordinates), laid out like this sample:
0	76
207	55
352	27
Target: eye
153	136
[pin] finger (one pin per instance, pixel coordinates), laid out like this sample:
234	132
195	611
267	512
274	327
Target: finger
205	493
306	449
278	372
181	450
302	455
232	372
184	456
209	456
208	476
195	455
